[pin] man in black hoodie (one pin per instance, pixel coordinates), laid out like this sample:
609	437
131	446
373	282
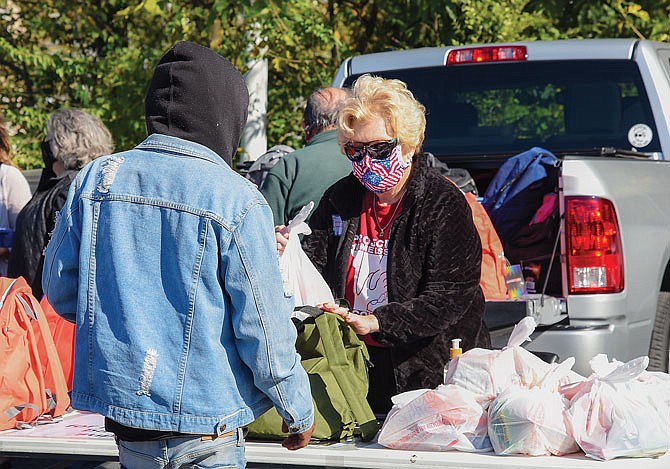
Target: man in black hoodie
166	259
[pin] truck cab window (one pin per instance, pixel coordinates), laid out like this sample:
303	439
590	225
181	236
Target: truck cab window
506	108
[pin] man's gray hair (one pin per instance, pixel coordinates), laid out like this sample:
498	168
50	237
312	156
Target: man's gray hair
323	107
79	137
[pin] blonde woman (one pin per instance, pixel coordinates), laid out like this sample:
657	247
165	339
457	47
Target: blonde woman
14	194
397	241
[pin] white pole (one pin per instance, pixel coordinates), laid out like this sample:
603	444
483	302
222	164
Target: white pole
254	136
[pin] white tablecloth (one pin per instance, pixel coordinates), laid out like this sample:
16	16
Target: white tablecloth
82	435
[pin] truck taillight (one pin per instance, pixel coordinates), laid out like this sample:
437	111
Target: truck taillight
594	256
472	55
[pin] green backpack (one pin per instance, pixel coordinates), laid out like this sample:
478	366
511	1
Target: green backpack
336	362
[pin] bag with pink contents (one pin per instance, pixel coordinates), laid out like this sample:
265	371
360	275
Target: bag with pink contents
441	419
619	412
530	420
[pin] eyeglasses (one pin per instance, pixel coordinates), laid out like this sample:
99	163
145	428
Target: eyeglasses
377	150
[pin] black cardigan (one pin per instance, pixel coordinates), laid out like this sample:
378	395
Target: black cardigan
433	271
34	225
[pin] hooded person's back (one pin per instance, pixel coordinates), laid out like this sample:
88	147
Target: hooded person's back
167	259
197	95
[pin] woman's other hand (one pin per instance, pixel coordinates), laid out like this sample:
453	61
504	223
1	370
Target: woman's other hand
282	238
360	324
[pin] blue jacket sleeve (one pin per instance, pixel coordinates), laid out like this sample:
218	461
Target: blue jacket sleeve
61	262
261	318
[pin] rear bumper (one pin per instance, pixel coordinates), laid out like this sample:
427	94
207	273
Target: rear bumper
582	342
579	338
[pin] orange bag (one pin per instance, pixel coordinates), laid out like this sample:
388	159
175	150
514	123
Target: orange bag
25	395
494	264
62	332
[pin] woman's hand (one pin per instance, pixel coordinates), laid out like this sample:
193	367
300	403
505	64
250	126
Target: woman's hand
282	238
360	324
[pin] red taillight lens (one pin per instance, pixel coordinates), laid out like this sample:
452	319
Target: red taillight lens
595	259
486	54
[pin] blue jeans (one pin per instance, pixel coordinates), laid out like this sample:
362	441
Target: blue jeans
184	452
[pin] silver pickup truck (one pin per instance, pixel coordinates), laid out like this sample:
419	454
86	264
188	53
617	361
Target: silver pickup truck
603	108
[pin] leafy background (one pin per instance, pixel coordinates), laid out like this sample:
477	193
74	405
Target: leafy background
100	55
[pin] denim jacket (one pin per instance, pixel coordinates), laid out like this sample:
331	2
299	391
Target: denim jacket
167	260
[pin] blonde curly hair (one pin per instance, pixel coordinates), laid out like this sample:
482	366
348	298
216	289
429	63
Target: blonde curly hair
374	97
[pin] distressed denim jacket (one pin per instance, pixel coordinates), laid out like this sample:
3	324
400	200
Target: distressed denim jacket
167	260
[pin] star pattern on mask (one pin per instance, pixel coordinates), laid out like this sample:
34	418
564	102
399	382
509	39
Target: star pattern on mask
385	163
371	178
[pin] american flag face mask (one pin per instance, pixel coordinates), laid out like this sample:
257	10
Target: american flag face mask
380	175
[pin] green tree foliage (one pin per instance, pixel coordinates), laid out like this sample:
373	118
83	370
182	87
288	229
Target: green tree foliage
511	20
299	40
100	55
92	55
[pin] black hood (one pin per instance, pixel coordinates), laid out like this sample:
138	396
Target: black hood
197	95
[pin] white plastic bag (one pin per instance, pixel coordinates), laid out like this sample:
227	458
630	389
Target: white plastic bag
531	420
489	372
441	419
615	413
657	389
299	276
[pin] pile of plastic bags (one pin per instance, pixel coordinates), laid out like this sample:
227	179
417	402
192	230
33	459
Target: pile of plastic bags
512	402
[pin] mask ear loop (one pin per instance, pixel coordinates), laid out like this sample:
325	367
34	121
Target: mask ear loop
403	164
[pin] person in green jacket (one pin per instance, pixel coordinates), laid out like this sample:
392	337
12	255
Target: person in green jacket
304	175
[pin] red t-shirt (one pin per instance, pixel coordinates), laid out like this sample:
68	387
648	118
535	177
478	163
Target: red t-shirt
366	273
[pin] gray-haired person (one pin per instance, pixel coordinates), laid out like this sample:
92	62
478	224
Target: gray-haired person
305	174
73	139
